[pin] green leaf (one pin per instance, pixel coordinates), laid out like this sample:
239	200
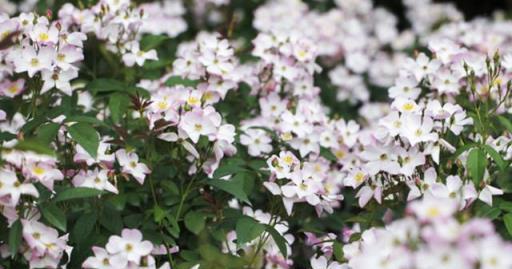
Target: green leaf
177	80
149	42
247	229
105	85
85	135
15	236
158	214
233	186
229	168
118	105
195	221
83	227
35	146
327	153
279	239
476	163
46	133
507	218
54	215
506	123
172	226
338	251
111	220
77	193
500	162
505	205
85	119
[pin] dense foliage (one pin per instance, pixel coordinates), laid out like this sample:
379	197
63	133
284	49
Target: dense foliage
254	134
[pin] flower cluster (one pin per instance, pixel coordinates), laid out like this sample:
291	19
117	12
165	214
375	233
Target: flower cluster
430	238
120	25
47	50
127	251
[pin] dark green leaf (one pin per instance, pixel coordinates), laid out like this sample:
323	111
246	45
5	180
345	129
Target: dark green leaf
506	123
105	85
247	229
158	214
338	251
234	186
15	236
54	215
507	218
476	163
35	146
118	105
77	193
83	227
46	133
177	80
327	153
149	42
85	135
195	221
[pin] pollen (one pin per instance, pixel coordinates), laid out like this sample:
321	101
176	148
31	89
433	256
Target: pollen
43	37
61	57
433	212
34	62
193	101
408	106
162	105
13	89
198	127
38	170
288	160
359	177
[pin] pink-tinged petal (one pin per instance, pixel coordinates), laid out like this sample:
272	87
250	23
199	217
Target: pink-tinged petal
486	196
319	263
190	149
377	194
313	199
145	248
272	187
364	194
288	205
132	235
114	245
288	190
414	193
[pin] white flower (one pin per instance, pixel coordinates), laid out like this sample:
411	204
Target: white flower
11	187
130	164
129	245
257	141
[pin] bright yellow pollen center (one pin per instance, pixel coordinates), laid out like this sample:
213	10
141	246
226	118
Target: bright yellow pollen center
433	212
13	89
38	170
34	62
408	106
288	160
359	177
61	57
193	101
198	127
43	37
162	105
